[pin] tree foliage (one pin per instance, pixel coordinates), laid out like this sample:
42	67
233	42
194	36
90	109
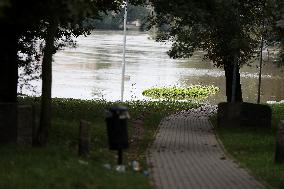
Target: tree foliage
22	24
63	20
228	31
220	27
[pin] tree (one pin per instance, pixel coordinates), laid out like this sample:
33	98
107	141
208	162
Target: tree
62	23
20	27
280	28
22	23
228	31
9	36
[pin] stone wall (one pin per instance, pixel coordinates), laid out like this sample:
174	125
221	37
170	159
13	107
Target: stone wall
26	124
8	123
16	123
243	114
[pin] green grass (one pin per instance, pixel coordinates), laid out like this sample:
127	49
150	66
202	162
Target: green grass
254	148
194	92
57	166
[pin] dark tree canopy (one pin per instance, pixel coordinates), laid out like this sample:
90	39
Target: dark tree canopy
219	27
228	31
22	23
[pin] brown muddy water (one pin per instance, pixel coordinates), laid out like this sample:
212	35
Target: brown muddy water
93	70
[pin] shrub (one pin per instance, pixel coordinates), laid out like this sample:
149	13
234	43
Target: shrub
194	92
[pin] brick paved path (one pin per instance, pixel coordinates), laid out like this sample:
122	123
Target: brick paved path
186	155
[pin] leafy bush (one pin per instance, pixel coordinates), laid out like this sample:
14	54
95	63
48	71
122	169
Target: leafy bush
194	92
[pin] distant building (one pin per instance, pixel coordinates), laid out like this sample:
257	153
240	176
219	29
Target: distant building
133	25
136	23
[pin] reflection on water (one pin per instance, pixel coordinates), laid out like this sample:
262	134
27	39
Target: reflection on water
93	70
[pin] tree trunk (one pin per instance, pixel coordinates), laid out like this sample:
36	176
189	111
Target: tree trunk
45	115
229	71
8	83
9	64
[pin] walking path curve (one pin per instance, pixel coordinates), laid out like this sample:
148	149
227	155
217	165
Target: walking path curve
186	155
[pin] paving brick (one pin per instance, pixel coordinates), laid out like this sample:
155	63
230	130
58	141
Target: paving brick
186	155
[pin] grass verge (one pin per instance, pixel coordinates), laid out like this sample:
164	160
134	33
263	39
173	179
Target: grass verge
254	148
57	166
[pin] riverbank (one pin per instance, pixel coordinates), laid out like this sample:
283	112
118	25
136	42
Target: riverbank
58	166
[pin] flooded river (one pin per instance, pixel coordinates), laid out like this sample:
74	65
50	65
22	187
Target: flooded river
93	70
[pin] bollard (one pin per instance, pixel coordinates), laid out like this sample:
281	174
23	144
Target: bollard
84	138
279	153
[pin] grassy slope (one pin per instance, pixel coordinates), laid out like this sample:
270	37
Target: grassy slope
58	165
255	148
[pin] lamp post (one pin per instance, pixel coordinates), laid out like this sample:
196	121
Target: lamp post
261	56
124	49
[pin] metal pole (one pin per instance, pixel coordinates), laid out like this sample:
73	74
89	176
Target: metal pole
261	56
124	49
260	72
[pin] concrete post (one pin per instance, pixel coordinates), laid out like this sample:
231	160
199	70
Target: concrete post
84	138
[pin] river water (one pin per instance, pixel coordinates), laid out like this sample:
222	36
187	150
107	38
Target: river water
93	70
